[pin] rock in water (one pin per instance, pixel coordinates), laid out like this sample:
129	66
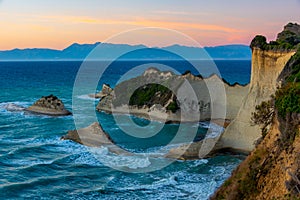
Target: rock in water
94	136
49	105
106	90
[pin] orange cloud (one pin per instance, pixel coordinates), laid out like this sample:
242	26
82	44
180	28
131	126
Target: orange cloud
60	31
144	23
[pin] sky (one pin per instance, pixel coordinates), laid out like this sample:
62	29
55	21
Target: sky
59	23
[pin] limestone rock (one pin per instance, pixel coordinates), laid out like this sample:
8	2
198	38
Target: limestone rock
49	105
106	90
180	89
266	67
185	151
94	136
200	149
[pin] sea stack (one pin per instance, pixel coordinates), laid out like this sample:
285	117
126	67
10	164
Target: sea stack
49	105
106	90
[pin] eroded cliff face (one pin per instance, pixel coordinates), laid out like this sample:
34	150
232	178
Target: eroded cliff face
271	171
134	93
266	67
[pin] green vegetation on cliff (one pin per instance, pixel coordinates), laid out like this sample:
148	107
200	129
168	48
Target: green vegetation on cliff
151	94
288	39
287	99
293	67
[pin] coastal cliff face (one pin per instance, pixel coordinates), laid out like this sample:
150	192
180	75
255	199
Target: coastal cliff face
266	67
272	170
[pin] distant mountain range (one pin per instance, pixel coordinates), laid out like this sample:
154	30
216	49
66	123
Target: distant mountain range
108	51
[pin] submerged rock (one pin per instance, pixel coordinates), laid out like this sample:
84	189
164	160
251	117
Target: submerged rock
13	107
49	105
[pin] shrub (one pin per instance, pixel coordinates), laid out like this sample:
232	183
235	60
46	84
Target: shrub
287	99
259	41
263	115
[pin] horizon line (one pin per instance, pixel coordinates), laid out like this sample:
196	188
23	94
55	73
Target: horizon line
46	48
120	60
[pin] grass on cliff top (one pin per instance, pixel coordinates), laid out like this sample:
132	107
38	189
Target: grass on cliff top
295	68
278	45
287	98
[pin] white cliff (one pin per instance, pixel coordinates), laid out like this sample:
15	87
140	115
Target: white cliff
266	67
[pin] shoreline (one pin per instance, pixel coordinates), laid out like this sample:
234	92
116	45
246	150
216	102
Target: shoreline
155	116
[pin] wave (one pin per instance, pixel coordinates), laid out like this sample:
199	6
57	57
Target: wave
197	163
86	97
16	106
172	180
120	161
214	130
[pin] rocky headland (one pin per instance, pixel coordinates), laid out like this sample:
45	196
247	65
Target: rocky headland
270	119
160	99
268	62
49	105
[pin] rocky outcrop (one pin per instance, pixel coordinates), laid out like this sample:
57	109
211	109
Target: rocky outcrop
166	100
106	90
49	105
197	150
266	67
94	136
290	33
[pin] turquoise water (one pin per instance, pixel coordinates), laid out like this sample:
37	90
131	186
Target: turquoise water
36	164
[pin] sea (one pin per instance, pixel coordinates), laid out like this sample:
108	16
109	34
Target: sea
36	164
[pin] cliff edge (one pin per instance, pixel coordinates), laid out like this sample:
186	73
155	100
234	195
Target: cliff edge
272	170
268	61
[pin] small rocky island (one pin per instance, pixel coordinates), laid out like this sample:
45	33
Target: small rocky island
49	105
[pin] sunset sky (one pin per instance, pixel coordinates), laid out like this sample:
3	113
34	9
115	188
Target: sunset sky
59	23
